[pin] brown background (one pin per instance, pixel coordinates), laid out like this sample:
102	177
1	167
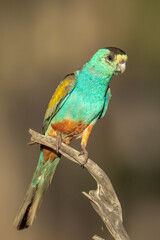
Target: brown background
42	41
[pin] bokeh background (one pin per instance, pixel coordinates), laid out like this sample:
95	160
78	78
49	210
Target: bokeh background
41	42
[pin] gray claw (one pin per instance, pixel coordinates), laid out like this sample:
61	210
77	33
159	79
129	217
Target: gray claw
85	154
58	141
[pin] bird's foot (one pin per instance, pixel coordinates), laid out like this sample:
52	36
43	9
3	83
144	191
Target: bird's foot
84	152
59	140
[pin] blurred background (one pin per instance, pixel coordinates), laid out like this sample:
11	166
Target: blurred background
41	42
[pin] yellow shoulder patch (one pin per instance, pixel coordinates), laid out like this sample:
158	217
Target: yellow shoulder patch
60	92
64	88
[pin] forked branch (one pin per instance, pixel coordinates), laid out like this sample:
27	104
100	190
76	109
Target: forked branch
104	199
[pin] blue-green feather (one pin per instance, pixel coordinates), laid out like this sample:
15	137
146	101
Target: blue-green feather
86	100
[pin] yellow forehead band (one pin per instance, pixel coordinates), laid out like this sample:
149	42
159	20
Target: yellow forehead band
120	58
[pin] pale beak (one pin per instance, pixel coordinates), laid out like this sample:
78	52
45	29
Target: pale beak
121	66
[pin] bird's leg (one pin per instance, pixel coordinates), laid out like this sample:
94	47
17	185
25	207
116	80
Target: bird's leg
59	140
85	137
84	152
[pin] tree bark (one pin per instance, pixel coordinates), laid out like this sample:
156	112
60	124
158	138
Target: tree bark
104	199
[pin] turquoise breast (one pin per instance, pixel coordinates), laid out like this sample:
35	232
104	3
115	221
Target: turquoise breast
86	101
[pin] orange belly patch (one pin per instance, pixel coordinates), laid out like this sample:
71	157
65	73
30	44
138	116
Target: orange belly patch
49	154
69	127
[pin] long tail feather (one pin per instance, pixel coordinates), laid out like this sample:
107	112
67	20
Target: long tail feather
34	196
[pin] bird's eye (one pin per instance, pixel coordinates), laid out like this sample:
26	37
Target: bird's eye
110	57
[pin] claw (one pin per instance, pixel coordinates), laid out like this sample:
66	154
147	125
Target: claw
85	154
58	141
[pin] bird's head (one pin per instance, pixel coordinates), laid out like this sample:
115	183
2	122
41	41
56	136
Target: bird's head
108	61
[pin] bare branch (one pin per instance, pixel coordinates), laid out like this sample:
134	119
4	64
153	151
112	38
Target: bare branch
95	237
104	199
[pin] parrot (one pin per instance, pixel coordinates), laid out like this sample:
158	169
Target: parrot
79	101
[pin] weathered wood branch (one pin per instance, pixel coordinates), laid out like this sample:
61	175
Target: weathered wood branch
104	199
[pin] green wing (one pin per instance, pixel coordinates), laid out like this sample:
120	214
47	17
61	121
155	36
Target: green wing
61	94
107	100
